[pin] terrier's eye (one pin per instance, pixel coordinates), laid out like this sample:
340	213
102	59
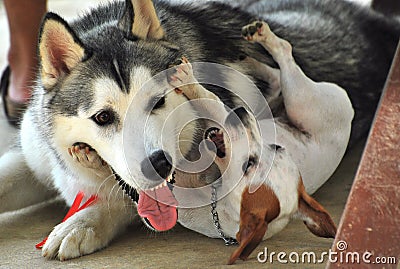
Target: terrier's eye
103	117
247	165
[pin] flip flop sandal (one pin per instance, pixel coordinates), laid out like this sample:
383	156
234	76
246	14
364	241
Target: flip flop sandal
13	110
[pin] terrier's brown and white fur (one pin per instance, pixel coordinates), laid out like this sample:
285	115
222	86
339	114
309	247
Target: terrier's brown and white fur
262	204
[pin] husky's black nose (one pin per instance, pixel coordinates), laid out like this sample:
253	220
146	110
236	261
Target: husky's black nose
157	166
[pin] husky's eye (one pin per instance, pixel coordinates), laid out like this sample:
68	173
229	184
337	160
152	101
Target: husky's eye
247	165
103	117
159	103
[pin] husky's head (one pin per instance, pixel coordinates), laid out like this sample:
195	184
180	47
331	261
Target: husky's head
270	188
91	76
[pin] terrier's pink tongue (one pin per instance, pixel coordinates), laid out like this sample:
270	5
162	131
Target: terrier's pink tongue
159	207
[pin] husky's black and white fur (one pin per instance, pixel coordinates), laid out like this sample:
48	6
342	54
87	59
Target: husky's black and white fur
91	70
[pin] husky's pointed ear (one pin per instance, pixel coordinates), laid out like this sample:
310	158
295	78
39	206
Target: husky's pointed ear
140	20
60	50
126	22
315	217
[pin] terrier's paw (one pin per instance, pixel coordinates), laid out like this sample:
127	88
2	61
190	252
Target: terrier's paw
86	156
260	32
73	238
181	74
256	30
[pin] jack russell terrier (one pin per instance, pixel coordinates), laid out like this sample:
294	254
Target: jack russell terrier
275	174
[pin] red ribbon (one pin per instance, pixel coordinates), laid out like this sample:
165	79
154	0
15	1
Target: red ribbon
74	209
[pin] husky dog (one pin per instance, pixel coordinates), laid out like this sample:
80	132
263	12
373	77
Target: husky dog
91	73
261	204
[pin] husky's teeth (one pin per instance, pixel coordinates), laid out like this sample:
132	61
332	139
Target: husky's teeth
169	178
159	186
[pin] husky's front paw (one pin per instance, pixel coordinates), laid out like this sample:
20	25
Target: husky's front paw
74	238
89	158
182	75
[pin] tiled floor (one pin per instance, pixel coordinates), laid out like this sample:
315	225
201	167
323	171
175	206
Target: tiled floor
137	248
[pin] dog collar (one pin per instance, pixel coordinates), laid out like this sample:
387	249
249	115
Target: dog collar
228	240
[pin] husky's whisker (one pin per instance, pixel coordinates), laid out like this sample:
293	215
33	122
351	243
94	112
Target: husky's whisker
124	197
116	184
102	184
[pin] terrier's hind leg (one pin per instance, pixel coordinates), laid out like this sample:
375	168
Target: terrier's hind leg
18	186
310	106
265	73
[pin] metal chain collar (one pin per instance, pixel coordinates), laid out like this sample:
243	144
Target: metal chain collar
228	240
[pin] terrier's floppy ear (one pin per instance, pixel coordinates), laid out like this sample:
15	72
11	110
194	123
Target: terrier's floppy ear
315	217
60	50
250	235
257	209
140	20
